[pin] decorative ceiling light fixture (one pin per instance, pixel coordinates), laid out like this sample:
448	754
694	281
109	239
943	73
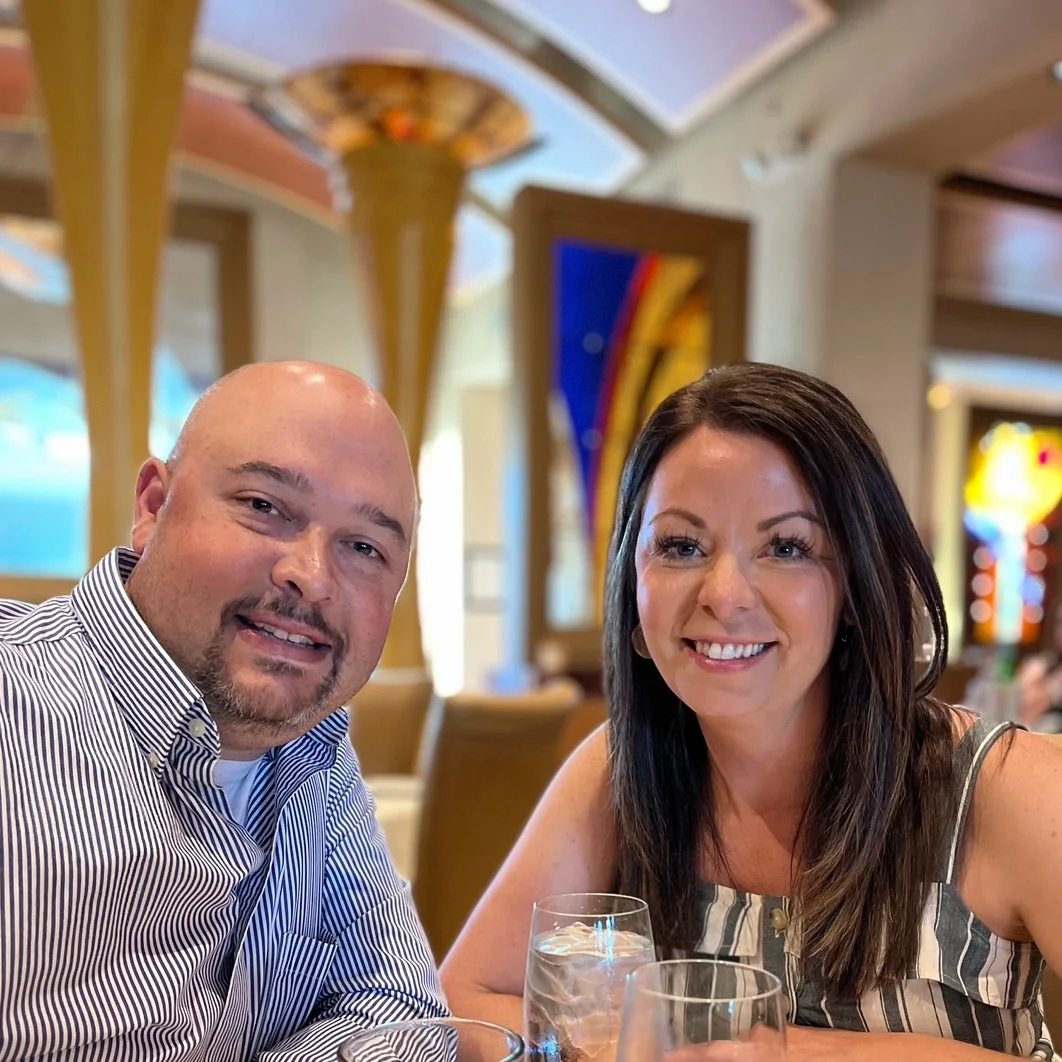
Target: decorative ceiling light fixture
654	7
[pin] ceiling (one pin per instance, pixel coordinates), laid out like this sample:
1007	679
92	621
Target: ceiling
1032	162
604	82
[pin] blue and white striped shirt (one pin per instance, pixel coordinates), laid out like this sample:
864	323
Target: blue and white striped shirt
137	919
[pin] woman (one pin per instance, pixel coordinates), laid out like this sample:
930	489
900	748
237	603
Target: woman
775	779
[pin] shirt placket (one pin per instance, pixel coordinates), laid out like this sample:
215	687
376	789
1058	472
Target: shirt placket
202	807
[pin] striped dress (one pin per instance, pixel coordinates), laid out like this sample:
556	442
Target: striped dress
968	983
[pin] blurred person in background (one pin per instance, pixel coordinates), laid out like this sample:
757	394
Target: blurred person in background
1040	684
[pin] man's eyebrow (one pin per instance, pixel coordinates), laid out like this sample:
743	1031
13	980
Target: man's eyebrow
384	520
288	476
298	481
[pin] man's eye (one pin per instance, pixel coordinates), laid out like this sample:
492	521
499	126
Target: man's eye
262	505
366	549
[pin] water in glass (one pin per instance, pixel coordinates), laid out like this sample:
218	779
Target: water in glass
576	973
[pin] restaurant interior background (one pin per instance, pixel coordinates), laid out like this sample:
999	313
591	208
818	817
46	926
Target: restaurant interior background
870	190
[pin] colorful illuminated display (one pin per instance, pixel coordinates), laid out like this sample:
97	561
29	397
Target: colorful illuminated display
1011	496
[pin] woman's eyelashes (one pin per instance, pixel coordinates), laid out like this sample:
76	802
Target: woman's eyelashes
684	547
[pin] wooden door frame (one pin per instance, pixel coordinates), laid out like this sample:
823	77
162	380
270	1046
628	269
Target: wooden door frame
541	216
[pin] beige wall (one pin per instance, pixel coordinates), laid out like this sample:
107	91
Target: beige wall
484	415
877	301
842	249
305	302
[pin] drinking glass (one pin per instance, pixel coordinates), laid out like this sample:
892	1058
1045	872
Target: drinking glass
434	1040
582	948
702	1010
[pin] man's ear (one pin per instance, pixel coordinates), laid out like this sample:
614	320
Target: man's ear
152	489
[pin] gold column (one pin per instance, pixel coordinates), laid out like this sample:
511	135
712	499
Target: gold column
406	136
111	74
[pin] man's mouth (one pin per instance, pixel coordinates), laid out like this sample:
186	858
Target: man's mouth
282	634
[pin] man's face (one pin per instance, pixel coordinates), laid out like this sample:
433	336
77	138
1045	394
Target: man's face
271	571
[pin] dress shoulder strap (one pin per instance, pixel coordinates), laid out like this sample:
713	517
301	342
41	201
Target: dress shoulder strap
969	757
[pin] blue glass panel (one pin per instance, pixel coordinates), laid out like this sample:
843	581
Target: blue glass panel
44	472
44	461
592	287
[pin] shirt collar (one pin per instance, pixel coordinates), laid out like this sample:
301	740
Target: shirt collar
154	694
331	730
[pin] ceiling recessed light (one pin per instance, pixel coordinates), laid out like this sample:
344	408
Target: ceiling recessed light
1056	70
654	7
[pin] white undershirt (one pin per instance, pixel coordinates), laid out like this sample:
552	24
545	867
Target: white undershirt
236	777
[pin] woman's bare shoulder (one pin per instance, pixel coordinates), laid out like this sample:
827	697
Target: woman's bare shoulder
581	788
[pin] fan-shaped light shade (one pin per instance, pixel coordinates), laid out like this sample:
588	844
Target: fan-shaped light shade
346	106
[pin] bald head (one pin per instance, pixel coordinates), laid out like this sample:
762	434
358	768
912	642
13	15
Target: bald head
273	545
249	399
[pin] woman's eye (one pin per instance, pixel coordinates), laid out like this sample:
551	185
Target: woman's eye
789	548
678	547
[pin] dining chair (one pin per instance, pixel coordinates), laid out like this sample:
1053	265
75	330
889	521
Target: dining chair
386	722
582	722
485	761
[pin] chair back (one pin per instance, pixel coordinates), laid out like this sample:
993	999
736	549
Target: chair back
485	761
386	722
951	686
582	722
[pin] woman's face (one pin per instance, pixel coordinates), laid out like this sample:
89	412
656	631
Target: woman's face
738	595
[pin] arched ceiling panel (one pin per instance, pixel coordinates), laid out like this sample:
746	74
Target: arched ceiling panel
676	64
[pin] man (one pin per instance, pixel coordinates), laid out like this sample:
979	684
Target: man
189	864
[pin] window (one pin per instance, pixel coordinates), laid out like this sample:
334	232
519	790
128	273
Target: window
44	442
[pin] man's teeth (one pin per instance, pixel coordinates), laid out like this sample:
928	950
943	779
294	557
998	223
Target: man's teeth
284	636
728	650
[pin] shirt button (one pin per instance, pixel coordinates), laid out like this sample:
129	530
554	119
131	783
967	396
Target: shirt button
153	760
197	728
779	920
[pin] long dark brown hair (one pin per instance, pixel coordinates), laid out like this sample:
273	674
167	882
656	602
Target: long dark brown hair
882	793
